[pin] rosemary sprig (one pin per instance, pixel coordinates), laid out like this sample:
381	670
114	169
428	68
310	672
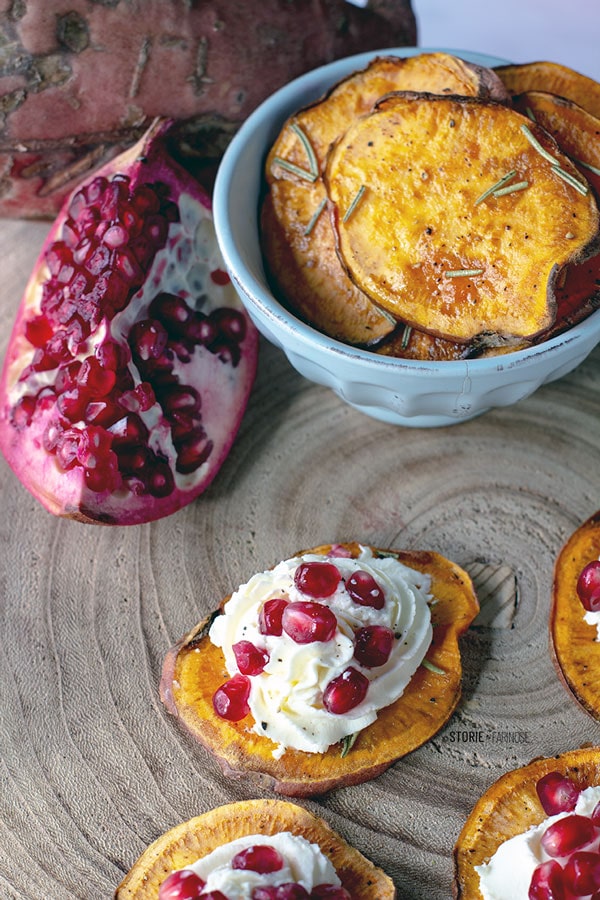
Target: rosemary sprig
433	668
315	216
570	179
308	149
589	166
356	200
406	334
458	273
348	743
537	146
511	188
292	167
496	187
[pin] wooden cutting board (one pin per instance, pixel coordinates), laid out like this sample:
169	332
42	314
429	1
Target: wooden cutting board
92	769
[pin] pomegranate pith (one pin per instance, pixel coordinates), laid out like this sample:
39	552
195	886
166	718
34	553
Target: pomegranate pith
125	334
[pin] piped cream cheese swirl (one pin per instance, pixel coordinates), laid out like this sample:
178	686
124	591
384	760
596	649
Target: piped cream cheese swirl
286	699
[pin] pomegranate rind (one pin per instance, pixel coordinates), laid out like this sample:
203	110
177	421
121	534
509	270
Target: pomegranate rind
191	840
225	389
575	648
509	807
194	668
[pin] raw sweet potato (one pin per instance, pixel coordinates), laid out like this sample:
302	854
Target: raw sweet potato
184	844
299	249
456	215
576	650
509	807
194	668
553	78
81	81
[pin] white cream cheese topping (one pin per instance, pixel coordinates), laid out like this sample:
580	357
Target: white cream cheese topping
507	875
304	863
286	698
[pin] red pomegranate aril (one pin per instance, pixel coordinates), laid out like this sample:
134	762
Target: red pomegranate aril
103	412
213	895
547	882
568	834
582	873
230	700
38	331
148	339
250	659
220	277
364	590
181	885
261	858
23	411
193	452
72	403
588	586
270	616
317	579
66	448
595	816
329	892
305	622
172	311
180	398
94	447
105	477
139	399
94	378
557	793
200	329
128	431
230	323
345	691
116	236
373	645
159	479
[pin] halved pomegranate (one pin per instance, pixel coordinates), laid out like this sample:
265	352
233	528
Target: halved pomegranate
131	359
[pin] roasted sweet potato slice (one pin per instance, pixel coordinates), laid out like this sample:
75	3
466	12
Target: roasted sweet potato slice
194	669
509	807
553	78
456	215
297	240
576	650
184	844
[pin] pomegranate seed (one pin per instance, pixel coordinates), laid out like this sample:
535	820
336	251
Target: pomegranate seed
306	622
95	190
159	479
22	412
94	446
595	817
139	399
230	701
345	691
72	404
213	895
260	858
373	645
104	477
99	259
270	616
172	311
94	378
250	659
111	355
194	452
220	277
567	835
66	448
317	579
290	890
103	412
547	882
582	873
148	339
230	323
181	398
588	586
181	885
145	200
200	329
364	590
116	236
329	892
129	431
557	793
38	331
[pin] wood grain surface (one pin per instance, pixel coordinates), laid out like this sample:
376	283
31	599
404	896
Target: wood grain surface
92	769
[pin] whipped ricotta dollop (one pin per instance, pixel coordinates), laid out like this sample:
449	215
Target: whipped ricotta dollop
507	875
303	863
286	699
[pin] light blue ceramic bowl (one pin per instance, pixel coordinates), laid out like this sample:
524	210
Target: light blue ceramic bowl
403	392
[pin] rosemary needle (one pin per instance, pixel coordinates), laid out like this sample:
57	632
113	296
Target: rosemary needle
354	204
315	216
495	187
457	273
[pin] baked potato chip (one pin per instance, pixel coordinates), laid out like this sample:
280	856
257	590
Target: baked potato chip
298	243
456	215
553	78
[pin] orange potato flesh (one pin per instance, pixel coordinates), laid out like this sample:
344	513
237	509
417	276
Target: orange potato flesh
553	78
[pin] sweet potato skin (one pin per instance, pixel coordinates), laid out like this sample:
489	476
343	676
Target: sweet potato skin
189	841
418	157
552	78
80	81
194	668
509	807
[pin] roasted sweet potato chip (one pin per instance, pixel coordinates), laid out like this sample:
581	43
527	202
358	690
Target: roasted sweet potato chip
195	668
509	807
576	650
553	78
456	215
192	840
298	243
